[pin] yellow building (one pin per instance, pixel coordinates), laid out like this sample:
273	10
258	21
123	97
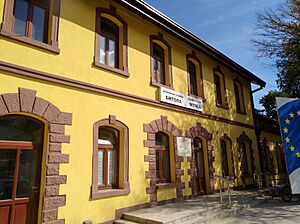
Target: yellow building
110	106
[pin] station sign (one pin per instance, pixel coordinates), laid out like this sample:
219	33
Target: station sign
179	99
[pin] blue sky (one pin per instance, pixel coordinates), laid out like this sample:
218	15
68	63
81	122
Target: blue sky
227	25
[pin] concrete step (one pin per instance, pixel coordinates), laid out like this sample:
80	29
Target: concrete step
121	221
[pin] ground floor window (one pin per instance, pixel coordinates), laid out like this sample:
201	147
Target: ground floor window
162	157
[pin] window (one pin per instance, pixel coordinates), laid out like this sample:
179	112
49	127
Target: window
239	97
225	167
110	159
161	74
195	82
111	41
108	144
220	89
32	21
158	64
245	166
162	158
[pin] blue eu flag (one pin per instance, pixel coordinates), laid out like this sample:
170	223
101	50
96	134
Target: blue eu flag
289	118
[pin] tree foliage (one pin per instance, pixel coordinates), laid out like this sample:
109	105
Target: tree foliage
269	103
278	38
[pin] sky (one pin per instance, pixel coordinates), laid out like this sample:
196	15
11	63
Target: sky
228	26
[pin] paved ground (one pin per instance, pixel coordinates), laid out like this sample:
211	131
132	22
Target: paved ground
275	211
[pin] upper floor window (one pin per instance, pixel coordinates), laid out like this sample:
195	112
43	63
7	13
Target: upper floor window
110	158
162	157
220	89
111	41
239	97
33	21
161	74
195	80
158	64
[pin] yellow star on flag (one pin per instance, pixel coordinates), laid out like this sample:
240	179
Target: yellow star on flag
291	115
285	130
298	154
292	148
287	139
287	121
298	112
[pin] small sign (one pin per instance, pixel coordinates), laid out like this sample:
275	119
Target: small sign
184	146
179	99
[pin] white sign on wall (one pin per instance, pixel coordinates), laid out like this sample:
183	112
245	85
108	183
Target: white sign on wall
184	146
179	99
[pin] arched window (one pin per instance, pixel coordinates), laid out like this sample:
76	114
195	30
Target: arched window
162	158
158	64
239	97
245	163
111	41
195	80
220	89
161	65
224	153
108	157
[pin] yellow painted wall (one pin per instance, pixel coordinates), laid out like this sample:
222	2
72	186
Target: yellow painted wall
76	42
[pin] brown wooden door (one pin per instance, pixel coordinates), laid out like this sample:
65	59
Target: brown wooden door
199	164
19	182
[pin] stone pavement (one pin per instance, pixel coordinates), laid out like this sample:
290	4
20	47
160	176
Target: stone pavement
202	209
274	211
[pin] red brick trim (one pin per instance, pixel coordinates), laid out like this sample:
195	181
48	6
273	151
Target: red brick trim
26	101
153	127
195	131
244	138
125	189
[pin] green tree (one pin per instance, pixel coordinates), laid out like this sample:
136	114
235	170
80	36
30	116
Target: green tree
269	103
278	38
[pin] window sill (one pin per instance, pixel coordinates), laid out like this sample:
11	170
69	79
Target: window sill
30	41
105	193
156	84
242	113
165	185
115	70
224	106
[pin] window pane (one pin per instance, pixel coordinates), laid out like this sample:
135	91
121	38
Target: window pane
112	52
20	16
157	157
155	69
161	74
17	128
26	173
193	79
38	23
166	165
197	142
100	167
109	27
224	158
112	167
199	161
218	89
102	50
162	139
7	168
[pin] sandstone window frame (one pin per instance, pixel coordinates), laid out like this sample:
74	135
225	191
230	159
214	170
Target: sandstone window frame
53	27
122	54
239	97
168	79
192	58
220	88
123	167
